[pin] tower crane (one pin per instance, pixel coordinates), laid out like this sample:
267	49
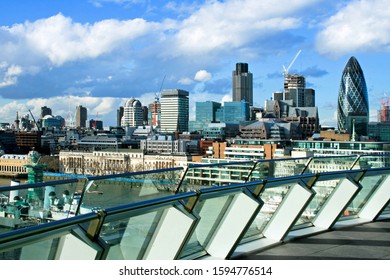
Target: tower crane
156	100
38	128
285	70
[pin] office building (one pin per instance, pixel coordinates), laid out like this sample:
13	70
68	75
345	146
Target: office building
233	112
242	84
132	113
81	116
119	115
174	110
45	111
352	107
205	113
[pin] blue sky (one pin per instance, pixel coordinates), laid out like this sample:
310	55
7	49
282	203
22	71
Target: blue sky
99	53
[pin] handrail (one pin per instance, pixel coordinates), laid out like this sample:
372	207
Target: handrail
39	185
42	228
148	203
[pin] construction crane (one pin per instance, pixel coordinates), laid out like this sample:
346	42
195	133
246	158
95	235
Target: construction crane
156	101
285	70
37	125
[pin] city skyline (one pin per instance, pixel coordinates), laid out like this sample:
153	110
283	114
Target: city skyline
100	53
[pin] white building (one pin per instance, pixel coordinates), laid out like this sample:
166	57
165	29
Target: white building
132	113
174	110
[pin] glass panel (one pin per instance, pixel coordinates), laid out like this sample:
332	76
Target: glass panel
272	198
129	237
329	164
211	211
35	205
376	161
215	175
41	250
111	192
278	168
323	189
369	184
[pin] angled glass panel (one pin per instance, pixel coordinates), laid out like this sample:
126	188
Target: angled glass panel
32	204
277	168
211	211
272	197
323	189
206	175
372	161
329	164
115	190
41	250
129	237
369	185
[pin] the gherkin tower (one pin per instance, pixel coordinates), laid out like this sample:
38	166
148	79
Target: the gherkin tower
352	107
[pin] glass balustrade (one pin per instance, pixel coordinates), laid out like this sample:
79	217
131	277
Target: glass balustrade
155	214
32	204
109	191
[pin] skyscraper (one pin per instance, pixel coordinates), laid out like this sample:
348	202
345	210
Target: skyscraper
119	115
174	110
81	116
352	107
132	113
242	84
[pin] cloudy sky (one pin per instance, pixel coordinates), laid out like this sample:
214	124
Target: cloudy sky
99	53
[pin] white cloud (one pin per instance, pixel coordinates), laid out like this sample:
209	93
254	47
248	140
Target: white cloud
10	74
362	25
226	98
232	24
202	76
64	106
62	40
185	81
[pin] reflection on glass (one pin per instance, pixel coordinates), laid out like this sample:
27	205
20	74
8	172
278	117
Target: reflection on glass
41	250
369	184
198	177
118	191
129	237
328	164
211	211
272	198
277	169
365	162
323	189
36	205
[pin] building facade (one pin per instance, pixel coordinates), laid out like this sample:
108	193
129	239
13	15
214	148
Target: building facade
132	113
81	116
112	162
352	107
242	84
174	110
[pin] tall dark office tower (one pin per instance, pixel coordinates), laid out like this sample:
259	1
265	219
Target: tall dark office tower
352	107
242	84
119	115
81	116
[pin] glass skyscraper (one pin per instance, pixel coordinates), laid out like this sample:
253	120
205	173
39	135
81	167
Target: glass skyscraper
352	107
205	113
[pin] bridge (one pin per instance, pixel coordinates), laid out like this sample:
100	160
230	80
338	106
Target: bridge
233	210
